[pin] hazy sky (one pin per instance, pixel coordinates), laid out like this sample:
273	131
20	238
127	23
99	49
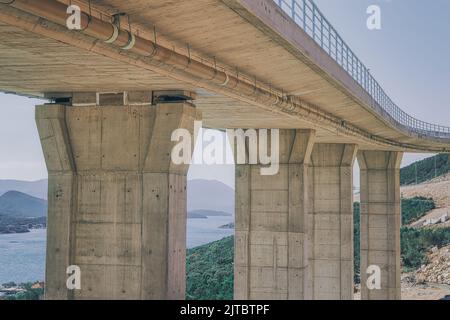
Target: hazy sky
20	150
409	56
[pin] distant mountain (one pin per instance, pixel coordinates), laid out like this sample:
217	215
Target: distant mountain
18	204
425	169
211	213
204	214
210	195
193	215
36	189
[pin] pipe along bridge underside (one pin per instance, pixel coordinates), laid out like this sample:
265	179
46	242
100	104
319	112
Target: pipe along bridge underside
137	70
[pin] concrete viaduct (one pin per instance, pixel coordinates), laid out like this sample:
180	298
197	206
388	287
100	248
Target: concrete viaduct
139	69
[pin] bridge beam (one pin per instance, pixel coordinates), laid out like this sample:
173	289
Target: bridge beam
117	204
270	257
331	226
380	222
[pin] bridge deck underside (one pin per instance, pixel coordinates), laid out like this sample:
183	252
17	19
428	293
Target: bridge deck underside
34	64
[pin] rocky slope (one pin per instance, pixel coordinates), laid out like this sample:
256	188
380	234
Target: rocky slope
432	280
438	269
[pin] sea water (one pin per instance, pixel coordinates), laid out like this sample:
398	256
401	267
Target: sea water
22	256
202	231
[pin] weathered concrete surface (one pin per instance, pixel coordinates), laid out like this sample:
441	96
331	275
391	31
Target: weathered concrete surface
117	204
294	230
380	222
330	222
270	257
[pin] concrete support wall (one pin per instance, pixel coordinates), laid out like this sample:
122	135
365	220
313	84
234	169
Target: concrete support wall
117	204
380	222
271	242
330	223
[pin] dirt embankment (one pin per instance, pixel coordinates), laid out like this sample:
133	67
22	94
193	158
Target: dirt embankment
431	281
439	190
438	268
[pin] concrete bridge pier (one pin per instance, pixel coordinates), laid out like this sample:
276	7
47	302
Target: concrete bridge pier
294	230
380	222
117	204
270	240
331	223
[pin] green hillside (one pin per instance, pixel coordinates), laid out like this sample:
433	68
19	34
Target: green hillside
412	209
210	267
415	208
414	242
209	270
425	169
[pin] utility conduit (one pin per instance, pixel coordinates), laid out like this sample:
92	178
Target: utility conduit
56	12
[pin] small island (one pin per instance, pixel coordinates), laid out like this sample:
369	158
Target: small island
227	226
204	214
10	224
20	213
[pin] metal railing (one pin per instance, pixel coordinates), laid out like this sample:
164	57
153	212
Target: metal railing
307	16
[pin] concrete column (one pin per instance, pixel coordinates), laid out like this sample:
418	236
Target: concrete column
380	222
331	221
117	204
271	243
